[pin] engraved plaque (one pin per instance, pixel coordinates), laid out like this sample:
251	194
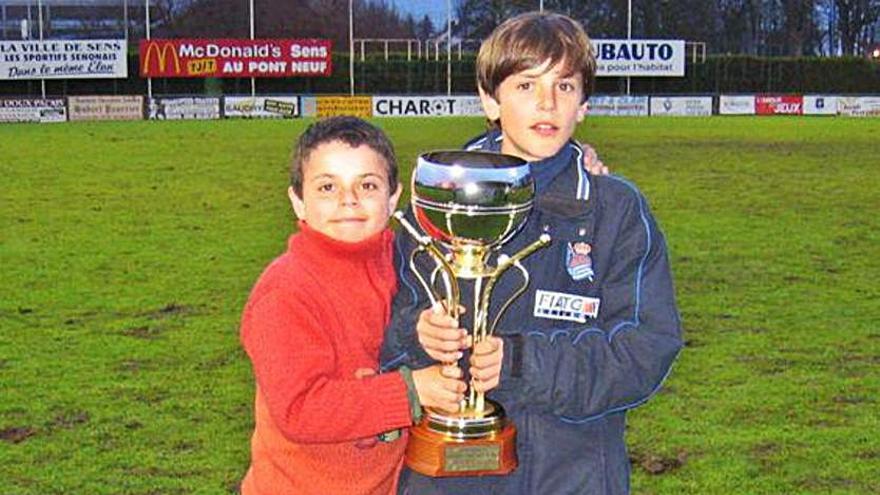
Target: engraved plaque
472	457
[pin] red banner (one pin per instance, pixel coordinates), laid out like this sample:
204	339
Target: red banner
235	58
779	105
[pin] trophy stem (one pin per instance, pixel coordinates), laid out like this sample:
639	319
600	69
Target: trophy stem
469	261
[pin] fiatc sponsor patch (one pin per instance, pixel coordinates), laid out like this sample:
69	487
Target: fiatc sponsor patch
568	307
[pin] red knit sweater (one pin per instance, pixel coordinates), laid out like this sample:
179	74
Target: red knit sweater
314	318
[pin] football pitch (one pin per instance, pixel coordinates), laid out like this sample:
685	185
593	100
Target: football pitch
127	251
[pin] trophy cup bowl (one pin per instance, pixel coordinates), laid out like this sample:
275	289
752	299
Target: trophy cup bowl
470	203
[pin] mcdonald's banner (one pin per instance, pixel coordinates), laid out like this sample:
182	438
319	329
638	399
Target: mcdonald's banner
63	59
235	57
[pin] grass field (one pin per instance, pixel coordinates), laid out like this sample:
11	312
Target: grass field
127	251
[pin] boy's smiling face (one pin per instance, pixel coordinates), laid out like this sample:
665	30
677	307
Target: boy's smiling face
539	109
346	193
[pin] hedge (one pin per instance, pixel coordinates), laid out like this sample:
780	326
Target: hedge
718	74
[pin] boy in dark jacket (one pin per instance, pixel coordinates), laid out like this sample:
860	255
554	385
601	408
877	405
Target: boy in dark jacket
597	330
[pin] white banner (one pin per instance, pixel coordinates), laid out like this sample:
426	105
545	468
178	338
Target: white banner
308	106
618	106
736	105
261	107
105	107
820	105
426	106
859	106
653	58
32	110
63	59
682	106
192	108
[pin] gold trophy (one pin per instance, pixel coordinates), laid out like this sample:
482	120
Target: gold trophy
468	204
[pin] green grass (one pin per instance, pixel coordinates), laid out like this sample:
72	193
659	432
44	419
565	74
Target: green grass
128	249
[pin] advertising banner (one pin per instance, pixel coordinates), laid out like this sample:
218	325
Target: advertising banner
681	106
820	105
736	105
779	105
308	106
426	106
654	58
32	110
63	59
859	106
105	107
618	106
187	108
261	107
470	106
235	58
359	106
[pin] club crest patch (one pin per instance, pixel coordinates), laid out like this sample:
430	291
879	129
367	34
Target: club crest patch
567	307
578	261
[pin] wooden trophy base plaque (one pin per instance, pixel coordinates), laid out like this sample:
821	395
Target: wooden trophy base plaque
462	445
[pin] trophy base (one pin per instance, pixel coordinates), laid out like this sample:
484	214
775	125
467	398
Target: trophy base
465	444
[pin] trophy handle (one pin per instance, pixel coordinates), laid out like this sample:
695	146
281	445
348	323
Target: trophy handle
481	331
504	262
522	288
429	290
452	297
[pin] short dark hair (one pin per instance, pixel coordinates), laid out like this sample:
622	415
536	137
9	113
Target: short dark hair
352	131
527	41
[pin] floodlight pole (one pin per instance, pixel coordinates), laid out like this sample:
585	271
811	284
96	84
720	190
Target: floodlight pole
351	46
629	33
253	79
448	47
40	20
125	20
147	32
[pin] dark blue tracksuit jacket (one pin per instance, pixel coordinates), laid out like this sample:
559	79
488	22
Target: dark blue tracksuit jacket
594	335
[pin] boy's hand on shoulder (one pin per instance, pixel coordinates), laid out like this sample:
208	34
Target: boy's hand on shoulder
439	387
592	163
440	335
486	361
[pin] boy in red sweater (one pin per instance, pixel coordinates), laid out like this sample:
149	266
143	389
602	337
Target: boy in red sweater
314	322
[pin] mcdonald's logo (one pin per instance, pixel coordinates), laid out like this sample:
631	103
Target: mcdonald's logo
161	57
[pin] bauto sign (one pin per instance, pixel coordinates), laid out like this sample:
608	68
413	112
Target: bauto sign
647	58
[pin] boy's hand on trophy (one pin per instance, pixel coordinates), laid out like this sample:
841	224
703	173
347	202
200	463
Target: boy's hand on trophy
439	387
362	373
486	363
440	335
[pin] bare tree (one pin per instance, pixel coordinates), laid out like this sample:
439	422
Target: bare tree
855	19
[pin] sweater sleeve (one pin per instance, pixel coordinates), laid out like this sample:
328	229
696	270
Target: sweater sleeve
294	364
